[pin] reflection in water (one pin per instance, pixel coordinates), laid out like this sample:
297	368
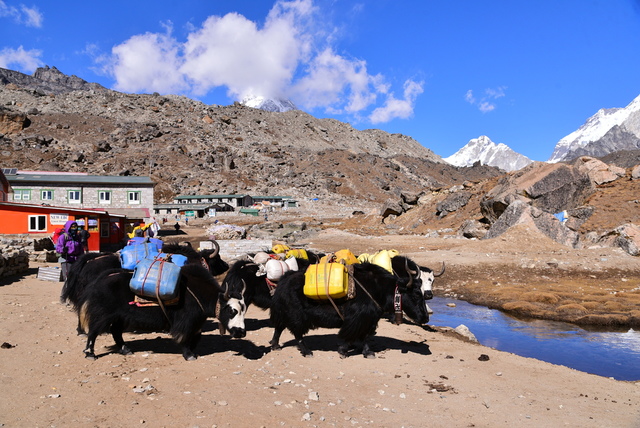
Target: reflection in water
605	353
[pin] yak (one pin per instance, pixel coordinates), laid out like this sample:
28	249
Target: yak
107	305
377	292
84	270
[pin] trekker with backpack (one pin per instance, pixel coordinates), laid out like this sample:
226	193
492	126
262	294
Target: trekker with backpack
68	247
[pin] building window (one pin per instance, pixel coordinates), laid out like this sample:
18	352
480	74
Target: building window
104	196
22	195
37	223
134	197
46	195
75	196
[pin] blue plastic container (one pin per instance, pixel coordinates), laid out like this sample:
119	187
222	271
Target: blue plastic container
131	255
155	278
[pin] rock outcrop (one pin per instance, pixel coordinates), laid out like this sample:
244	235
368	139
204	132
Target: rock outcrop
548	187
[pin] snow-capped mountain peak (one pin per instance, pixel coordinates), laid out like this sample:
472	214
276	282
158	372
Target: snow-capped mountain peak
269	104
488	153
593	129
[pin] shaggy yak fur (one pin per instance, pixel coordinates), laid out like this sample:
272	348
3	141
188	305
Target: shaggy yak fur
106	305
292	310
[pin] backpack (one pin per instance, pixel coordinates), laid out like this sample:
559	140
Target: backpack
56	235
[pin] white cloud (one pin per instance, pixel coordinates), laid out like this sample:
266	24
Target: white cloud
20	58
32	16
147	62
398	109
29	16
487	102
289	56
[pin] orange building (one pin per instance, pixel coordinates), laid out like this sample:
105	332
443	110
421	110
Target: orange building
107	230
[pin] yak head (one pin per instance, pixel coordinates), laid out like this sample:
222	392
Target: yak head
231	313
428	276
412	293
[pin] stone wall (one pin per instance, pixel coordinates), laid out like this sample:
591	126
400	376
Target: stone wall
14	256
232	249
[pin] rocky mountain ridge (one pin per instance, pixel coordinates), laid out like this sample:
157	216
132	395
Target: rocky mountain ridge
188	147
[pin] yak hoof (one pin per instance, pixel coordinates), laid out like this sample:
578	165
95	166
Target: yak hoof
90	356
275	346
370	355
189	356
125	351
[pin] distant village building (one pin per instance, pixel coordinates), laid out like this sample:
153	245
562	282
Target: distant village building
123	195
38	202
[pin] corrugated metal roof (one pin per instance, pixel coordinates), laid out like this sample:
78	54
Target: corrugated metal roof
17	179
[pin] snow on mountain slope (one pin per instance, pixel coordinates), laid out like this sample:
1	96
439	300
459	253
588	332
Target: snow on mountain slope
593	129
488	153
269	104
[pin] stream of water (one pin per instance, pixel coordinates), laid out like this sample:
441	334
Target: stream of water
604	353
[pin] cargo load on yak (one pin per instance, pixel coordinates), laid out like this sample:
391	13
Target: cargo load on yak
298	253
327	281
156	278
342	256
382	258
280	248
141	249
275	269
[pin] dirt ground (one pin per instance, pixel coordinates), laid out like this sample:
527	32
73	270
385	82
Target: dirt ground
421	377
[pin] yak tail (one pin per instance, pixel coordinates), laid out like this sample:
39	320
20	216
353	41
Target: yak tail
73	284
83	317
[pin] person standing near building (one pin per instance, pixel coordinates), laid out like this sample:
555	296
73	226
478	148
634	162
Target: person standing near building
84	235
68	247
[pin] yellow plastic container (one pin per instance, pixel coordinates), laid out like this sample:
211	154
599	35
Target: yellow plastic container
325	280
280	248
298	253
347	256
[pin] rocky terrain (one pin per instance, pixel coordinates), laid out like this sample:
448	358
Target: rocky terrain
191	148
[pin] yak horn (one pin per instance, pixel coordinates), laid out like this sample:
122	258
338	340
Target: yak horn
441	272
226	291
217	249
410	272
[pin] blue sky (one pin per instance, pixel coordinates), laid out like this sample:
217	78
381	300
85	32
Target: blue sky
524	73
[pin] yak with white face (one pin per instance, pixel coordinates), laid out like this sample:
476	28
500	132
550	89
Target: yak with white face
428	277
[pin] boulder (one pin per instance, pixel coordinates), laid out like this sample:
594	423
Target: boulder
635	172
626	237
12	122
472	229
410	198
391	207
598	171
452	203
578	216
549	187
520	212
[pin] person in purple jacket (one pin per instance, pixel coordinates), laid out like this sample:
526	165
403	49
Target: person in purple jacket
69	247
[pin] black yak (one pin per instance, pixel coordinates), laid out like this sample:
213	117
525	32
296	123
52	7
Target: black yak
358	317
89	265
107	304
